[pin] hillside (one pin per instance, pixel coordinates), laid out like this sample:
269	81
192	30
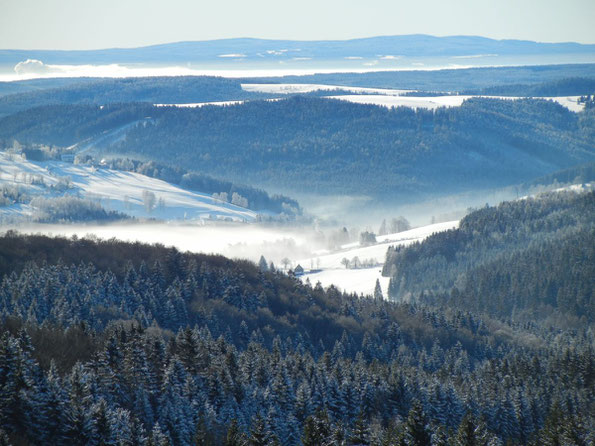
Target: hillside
496	261
360	276
105	91
291	144
548	80
542	77
97	343
43	191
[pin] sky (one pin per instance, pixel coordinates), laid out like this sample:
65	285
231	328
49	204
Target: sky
94	24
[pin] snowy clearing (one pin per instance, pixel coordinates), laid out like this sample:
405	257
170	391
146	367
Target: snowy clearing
328	269
415	102
391	97
570	102
577	188
308	88
433	102
387	100
360	281
373	96
116	190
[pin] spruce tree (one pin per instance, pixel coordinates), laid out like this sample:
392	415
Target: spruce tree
317	429
360	434
258	434
378	290
234	436
415	429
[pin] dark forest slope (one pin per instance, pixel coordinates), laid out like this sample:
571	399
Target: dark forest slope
320	145
97	346
535	256
154	90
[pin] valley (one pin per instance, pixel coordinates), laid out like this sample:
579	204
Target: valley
372	241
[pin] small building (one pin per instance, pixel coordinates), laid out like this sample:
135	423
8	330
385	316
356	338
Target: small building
298	271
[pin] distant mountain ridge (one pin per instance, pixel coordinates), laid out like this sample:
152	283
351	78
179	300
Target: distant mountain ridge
416	45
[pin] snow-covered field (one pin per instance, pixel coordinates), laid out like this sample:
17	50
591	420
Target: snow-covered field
570	102
430	103
308	88
328	269
116	190
384	97
390	99
433	102
577	188
374	96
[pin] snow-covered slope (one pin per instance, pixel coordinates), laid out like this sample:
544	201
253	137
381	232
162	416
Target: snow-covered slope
328	269
391	97
115	190
373	96
308	88
433	102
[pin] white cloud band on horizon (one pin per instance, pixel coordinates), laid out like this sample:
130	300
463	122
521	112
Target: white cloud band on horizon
36	69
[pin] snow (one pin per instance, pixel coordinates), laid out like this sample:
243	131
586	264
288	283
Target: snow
308	88
121	191
328	269
570	102
250	241
433	102
359	281
391	97
200	104
430	103
576	188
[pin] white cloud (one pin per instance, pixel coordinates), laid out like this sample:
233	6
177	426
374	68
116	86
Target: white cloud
232	55
32	66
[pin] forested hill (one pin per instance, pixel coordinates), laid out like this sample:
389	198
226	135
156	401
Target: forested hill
155	90
545	80
322	145
106	342
532	258
574	86
453	80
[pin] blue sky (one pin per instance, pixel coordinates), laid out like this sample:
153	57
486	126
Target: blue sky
86	24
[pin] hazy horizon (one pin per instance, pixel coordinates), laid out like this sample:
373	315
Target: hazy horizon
72	24
255	37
